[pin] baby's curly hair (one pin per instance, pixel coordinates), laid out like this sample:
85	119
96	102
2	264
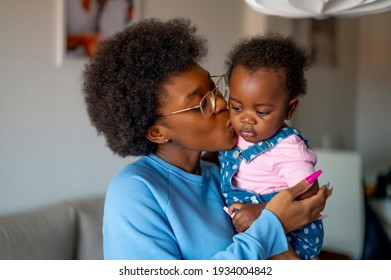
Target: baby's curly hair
272	51
121	84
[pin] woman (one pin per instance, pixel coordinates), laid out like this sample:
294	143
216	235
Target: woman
146	92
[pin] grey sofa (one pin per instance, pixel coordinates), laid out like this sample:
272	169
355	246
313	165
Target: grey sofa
64	231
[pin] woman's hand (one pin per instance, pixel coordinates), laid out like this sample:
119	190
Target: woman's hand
293	213
244	214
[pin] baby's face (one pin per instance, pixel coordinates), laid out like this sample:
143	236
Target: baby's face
259	103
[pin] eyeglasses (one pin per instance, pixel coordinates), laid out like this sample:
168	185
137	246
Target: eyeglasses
207	103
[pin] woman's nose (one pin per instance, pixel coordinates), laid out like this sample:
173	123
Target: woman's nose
221	103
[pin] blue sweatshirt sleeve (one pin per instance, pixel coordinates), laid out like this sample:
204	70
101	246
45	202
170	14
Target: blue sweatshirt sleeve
264	239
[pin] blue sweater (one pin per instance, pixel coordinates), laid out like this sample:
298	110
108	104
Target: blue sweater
154	210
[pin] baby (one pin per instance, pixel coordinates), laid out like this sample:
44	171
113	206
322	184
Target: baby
266	75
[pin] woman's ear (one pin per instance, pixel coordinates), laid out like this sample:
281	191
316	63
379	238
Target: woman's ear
291	108
157	135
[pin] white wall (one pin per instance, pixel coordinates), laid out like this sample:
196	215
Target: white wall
373	104
328	109
49	152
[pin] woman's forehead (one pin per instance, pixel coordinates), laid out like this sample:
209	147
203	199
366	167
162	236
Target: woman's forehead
187	83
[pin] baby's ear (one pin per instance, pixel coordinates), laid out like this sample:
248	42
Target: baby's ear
291	108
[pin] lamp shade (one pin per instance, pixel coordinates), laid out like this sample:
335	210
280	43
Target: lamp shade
319	8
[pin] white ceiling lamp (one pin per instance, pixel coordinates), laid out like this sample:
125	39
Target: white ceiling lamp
319	8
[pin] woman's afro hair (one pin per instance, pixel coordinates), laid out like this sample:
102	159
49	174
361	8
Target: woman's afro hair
272	51
122	83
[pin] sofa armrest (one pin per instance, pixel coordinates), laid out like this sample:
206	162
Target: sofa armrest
44	234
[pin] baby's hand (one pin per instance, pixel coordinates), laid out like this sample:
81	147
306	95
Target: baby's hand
244	214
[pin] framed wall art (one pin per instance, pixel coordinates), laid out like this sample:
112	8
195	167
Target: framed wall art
88	22
323	42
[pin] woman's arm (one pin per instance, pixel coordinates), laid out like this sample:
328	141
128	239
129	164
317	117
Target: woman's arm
265	238
247	213
288	255
288	208
293	213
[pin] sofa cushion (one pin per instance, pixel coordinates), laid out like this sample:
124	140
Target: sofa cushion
45	234
90	219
